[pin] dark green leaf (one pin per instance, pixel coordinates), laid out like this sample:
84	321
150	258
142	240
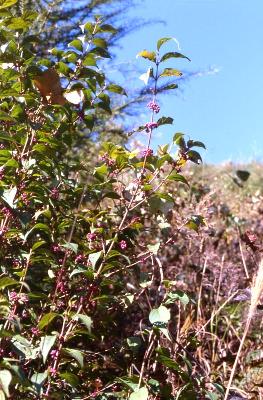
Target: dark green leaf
116	89
178	178
194	143
169	87
47	319
107	28
173	54
165	121
194	156
70	378
243	175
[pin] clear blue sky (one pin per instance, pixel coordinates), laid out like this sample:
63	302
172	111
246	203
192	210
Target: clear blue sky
225	109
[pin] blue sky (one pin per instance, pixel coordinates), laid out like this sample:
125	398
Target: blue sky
223	104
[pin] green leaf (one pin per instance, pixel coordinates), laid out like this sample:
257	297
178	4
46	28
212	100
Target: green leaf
168	362
195	143
130	381
46	344
77	44
89	60
107	28
173	54
177	295
99	51
171	72
38	244
12	163
38	227
6	281
7	3
195	222
5	380
47	319
6	117
177	178
178	139
116	89
139	394
194	156
159	315
71	246
63	68
162	41
165	121
134	343
100	42
149	55
70	378
76	354
18	23
169	87
85	319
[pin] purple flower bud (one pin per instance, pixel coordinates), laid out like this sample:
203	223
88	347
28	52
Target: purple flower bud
123	244
54	193
91	236
153	106
147	153
150	126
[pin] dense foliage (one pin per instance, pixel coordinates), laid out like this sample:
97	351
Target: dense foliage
105	290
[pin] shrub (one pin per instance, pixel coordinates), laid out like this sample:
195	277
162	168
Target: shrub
85	306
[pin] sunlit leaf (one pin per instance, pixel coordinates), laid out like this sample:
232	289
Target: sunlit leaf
160	315
7	3
162	41
76	354
94	257
5	380
171	72
149	55
7	281
85	319
139	394
46	344
74	97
